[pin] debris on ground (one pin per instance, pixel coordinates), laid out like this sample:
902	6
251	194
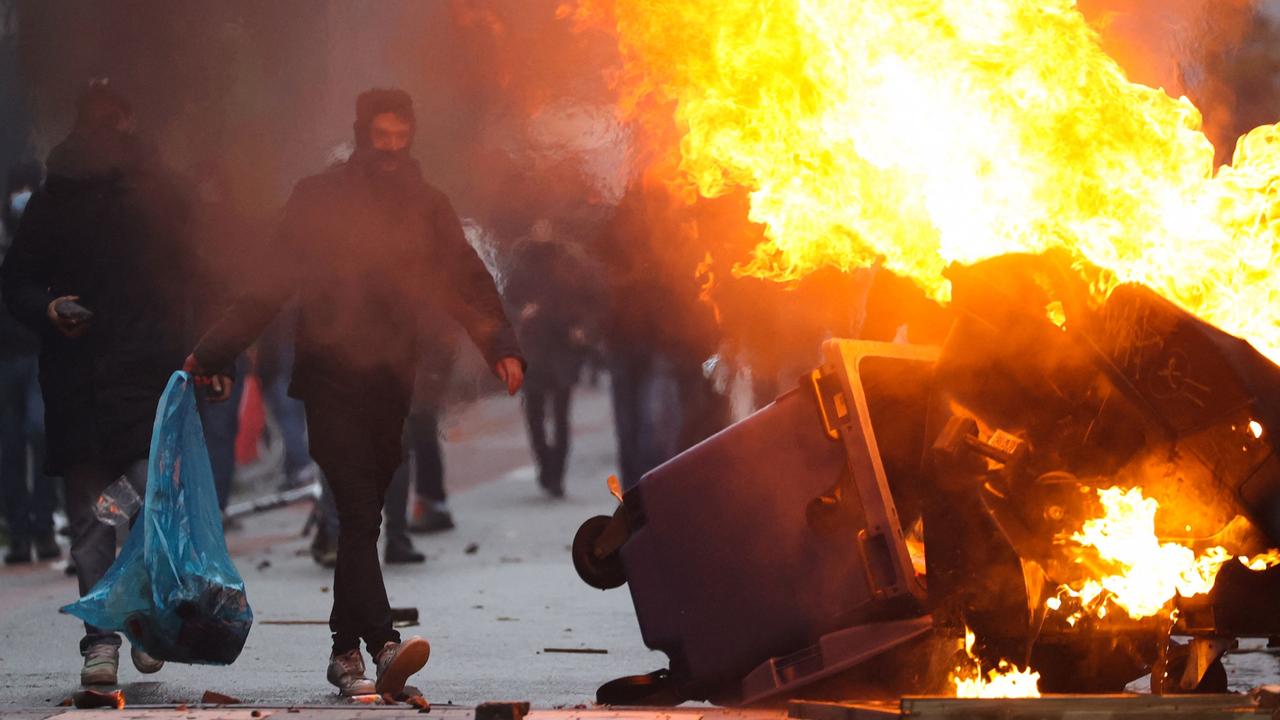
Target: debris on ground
96	699
211	697
472	549
264	564
502	710
577	651
404	614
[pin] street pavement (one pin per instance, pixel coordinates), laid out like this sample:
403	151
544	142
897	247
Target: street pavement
493	595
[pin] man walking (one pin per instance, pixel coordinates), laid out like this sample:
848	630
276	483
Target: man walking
102	269
366	246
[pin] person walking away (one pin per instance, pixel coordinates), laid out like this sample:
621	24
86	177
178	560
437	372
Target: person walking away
547	292
102	270
29	495
366	247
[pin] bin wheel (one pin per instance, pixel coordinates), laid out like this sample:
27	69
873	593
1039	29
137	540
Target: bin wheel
601	573
1213	682
655	689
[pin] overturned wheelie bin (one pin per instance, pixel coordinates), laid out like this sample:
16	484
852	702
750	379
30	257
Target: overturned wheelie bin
772	555
1095	487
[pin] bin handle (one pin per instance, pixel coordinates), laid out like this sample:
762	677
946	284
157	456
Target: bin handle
815	379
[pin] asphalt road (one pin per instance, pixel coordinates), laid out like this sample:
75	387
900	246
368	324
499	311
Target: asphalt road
489	614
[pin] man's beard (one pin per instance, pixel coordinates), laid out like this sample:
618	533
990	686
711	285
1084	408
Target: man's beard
384	162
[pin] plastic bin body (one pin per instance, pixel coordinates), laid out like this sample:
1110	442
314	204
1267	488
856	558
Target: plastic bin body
727	571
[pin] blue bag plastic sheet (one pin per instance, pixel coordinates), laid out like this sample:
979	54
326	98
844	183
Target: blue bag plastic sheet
173	590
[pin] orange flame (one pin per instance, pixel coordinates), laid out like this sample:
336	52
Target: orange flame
921	132
1145	574
1004	681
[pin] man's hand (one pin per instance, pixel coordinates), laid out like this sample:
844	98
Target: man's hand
71	327
511	371
217	386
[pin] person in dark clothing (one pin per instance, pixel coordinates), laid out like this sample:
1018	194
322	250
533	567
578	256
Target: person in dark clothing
221	228
103	271
425	461
658	335
366	247
548	291
28	509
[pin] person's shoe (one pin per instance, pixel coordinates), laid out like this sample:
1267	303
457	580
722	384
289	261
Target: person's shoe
231	524
143	662
402	552
101	665
551	484
19	552
47	547
397	662
428	519
323	550
346	672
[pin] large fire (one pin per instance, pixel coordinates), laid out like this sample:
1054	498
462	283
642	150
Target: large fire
915	133
1140	575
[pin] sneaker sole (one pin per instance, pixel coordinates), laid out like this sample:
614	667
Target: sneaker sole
146	669
413	656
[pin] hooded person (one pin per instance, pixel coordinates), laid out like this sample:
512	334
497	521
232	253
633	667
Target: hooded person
367	247
103	270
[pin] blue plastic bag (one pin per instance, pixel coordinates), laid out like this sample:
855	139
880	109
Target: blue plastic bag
173	590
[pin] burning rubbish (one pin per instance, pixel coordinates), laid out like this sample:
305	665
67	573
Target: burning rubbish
1002	681
1148	574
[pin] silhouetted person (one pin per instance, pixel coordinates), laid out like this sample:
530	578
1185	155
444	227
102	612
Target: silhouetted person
28	508
366	247
103	270
548	292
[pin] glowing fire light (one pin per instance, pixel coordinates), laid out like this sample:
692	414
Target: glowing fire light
1005	681
916	133
1145	574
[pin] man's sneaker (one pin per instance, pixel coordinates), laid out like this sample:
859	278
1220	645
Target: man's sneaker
324	550
19	553
47	547
101	665
401	551
430	519
346	672
143	662
398	661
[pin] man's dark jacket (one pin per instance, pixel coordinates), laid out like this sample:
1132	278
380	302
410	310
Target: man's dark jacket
366	254
111	226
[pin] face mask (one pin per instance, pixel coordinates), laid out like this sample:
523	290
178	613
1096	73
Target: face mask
18	202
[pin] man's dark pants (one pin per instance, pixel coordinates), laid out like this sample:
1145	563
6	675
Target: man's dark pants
29	511
358	450
552	457
221	421
93	543
424	470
